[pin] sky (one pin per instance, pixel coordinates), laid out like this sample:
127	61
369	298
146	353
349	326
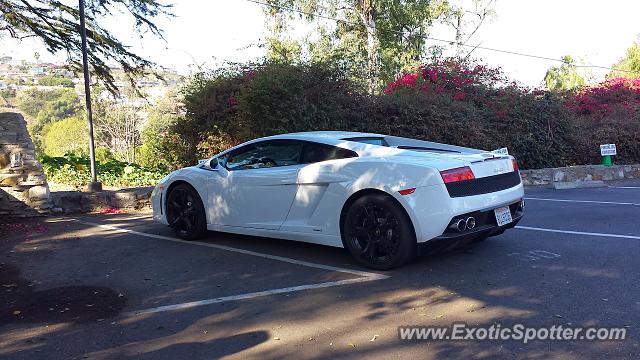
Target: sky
206	33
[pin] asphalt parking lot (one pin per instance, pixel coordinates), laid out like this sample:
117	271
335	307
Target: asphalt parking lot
120	286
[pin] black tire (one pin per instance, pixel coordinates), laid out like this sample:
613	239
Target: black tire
378	233
185	212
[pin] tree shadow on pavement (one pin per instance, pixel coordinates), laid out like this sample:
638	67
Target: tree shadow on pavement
214	349
19	302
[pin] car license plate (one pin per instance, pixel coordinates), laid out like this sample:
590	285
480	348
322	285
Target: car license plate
503	215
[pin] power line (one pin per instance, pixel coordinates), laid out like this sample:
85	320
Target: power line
450	42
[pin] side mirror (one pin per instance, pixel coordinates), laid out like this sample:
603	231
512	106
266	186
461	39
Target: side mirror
211	164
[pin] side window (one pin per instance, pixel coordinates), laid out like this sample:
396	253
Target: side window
265	154
315	152
222	160
370	140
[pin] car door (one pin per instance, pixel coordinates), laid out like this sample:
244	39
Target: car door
255	185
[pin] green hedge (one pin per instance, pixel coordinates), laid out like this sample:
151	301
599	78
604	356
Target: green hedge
236	104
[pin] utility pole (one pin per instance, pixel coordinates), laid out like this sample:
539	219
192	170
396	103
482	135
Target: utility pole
94	185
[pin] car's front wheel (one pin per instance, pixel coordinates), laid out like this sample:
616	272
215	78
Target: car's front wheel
378	233
185	212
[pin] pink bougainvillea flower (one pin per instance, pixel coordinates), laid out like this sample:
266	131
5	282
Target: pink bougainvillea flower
602	98
459	96
111	211
449	76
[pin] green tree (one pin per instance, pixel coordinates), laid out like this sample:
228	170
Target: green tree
629	65
46	107
7	96
31	101
162	116
382	36
65	105
68	135
55	81
283	50
56	24
564	77
118	128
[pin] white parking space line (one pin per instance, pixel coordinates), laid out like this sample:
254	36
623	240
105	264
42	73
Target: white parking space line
584	201
624	187
578	232
364	276
291	289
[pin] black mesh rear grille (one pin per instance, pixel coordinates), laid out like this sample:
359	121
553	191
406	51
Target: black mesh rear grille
483	185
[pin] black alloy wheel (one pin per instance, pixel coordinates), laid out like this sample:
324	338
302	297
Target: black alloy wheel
185	212
378	233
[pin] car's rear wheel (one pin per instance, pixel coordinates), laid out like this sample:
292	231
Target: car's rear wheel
185	212
378	233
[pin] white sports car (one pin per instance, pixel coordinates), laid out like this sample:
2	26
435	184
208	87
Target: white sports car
379	196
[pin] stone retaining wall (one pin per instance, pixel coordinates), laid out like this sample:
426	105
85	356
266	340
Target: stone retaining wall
69	202
23	186
541	177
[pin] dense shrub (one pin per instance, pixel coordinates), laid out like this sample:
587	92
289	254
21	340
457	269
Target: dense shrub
230	106
535	129
75	170
473	105
450	101
608	112
103	154
69	135
164	114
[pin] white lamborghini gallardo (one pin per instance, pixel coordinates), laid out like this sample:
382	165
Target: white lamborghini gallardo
378	196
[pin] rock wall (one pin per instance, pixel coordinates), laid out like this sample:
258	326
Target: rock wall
70	202
23	186
541	177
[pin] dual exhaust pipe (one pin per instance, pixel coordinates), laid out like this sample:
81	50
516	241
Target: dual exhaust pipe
463	224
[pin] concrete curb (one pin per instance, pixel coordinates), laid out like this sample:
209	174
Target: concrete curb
578	185
580	173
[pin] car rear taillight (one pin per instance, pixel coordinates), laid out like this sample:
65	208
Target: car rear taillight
515	164
457	174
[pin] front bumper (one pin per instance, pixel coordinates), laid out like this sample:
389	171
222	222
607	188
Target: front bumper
157	198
